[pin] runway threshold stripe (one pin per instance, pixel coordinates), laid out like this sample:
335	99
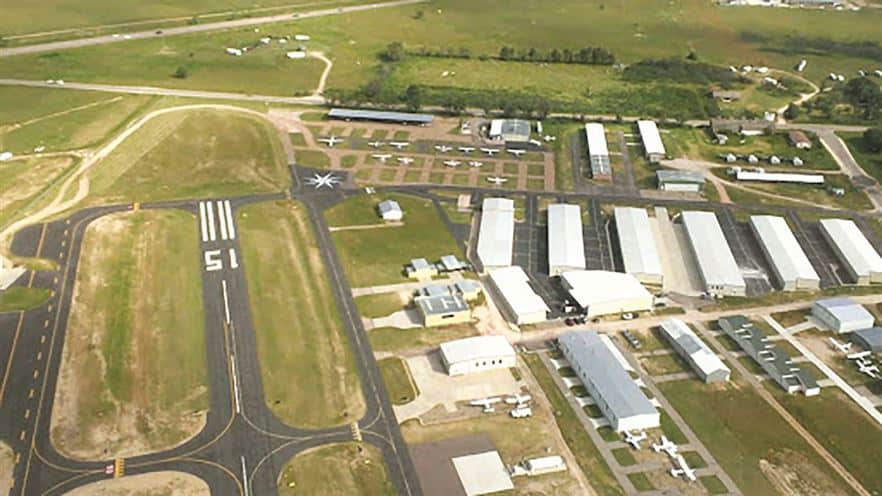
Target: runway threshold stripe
202	227
209	213
221	220
231	227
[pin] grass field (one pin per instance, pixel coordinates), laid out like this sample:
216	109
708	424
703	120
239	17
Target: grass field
396	375
26	183
393	339
22	298
379	305
870	162
752	443
133	375
309	373
345	468
365	254
189	154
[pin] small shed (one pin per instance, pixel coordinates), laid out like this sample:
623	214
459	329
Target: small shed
799	140
390	210
464	203
420	268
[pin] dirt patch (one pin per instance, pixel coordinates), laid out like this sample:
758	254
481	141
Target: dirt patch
6	468
792	473
151	484
29	182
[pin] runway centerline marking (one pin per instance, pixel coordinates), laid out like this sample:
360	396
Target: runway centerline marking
226	301
245	477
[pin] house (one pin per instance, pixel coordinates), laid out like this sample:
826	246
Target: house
799	140
390	210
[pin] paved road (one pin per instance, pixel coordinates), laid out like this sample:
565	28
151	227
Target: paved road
850	167
197	28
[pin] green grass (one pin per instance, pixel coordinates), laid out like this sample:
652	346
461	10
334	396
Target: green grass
360	210
586	453
641	482
393	339
22	298
365	254
624	456
396	375
190	154
349	161
379	305
854	199
664	364
308	370
712	484
671	430
19	104
740	429
344	468
694	459
697	143
313	158
869	161
137	346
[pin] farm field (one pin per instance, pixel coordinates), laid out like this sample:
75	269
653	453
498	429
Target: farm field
133	376
296	319
344	468
192	153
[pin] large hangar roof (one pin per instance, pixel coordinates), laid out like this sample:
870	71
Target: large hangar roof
476	348
613	383
380	115
786	255
591	287
496	234
715	259
513	284
639	251
566	246
854	246
703	357
596	139
652	141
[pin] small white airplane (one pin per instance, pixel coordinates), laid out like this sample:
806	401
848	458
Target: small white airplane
466	149
399	144
452	163
331	141
490	151
497	180
859	355
842	347
486	404
683	469
521	412
382	157
548	138
633	440
404	160
375	144
443	148
665	445
516	152
518	399
870	370
535	142
475	163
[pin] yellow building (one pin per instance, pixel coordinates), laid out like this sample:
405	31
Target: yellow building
443	310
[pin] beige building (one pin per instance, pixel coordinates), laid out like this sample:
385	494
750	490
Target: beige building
443	310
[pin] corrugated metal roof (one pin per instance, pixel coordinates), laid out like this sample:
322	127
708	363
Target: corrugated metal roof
787	257
715	259
623	397
496	234
591	287
476	348
596	139
566	246
389	206
639	251
513	285
379	115
679	176
846	310
700	354
652	142
854	246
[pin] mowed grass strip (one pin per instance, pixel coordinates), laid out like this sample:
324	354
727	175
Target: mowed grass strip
350	468
378	256
309	373
193	154
22	298
133	376
396	375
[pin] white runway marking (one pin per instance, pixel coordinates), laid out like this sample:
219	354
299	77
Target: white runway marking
213	261
235	386
231	228
209	208
226	301
234	260
203	228
245	478
221	220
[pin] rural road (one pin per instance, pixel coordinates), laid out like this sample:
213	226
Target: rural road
850	167
197	28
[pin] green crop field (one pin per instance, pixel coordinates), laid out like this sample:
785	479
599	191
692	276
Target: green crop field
346	468
133	368
296	319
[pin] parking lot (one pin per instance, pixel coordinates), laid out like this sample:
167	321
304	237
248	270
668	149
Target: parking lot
818	251
758	275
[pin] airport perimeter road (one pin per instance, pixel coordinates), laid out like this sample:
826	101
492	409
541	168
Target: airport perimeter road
197	28
850	167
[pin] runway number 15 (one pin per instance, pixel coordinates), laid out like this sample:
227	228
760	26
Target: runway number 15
214	259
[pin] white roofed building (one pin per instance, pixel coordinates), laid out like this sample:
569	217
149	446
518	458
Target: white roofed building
598	153
496	233
566	246
843	314
653	147
637	244
779	177
788	260
854	250
600	292
617	396
716	263
700	357
476	354
516	298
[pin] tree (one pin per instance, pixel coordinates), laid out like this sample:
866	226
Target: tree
865	95
413	97
453	102
3	41
394	52
506	53
873	139
181	73
792	112
418	15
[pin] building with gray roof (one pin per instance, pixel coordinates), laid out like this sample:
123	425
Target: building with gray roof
772	359
602	373
860	259
637	245
678	180
697	354
716	263
390	210
380	116
842	314
566	246
868	339
788	260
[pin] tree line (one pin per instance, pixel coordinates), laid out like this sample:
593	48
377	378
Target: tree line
396	51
